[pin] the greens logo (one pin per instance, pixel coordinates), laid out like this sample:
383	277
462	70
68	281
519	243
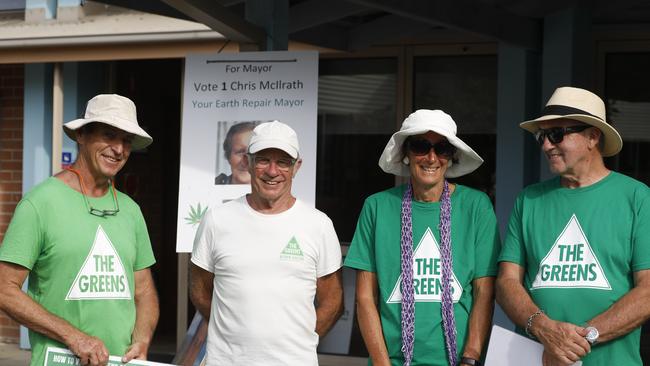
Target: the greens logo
571	262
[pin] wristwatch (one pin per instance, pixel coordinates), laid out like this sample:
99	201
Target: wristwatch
592	335
469	361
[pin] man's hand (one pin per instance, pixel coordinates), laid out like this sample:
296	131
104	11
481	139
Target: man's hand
137	350
564	343
90	350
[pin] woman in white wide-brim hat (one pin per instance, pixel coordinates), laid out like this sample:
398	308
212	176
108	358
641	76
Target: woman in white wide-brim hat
426	252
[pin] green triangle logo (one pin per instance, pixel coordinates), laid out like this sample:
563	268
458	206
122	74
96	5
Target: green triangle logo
292	250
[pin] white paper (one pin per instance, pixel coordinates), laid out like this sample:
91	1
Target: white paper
55	356
508	348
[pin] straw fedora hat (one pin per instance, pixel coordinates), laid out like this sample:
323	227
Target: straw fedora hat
420	122
583	106
114	110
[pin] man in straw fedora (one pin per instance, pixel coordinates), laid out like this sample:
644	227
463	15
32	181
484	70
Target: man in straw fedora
85	248
574	265
425	252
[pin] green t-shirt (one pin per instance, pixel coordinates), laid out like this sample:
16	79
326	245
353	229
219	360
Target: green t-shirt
580	248
376	248
81	266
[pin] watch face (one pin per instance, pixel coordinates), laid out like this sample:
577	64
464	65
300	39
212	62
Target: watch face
592	335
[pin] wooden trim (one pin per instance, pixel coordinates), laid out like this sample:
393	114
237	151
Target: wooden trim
111	52
57	117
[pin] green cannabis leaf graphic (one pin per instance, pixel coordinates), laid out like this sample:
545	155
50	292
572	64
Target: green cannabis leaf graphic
195	214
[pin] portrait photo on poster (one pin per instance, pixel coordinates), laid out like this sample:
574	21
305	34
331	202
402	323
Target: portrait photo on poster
231	149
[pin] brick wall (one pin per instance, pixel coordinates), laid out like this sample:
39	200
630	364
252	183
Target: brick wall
11	161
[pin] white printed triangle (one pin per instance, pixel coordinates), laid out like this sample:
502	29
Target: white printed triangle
102	275
571	262
427	274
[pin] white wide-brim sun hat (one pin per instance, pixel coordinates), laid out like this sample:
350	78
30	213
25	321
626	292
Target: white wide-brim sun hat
421	122
582	106
114	110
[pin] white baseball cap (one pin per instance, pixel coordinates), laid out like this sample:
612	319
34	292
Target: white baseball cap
274	135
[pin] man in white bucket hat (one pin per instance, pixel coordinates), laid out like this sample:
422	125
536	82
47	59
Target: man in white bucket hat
574	269
428	243
85	247
259	262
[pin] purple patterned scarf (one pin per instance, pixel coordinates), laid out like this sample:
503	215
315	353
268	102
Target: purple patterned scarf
408	292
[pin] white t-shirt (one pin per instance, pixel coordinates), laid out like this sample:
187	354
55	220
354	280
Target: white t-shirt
265	269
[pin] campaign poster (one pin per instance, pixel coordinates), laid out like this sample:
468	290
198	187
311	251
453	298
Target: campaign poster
224	97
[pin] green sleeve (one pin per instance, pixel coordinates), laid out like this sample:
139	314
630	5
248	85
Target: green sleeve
487	249
641	234
513	246
23	240
145	257
361	254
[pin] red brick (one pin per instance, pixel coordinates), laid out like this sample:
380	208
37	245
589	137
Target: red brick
14	69
9	332
7	207
12	187
7	321
12	144
11	165
12	124
11	112
12	81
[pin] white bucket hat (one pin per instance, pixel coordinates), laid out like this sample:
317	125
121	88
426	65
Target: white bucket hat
420	122
274	135
583	106
114	110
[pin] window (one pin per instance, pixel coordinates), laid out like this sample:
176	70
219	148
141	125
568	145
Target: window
628	105
356	117
465	87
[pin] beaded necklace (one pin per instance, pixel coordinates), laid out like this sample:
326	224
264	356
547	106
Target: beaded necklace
408	292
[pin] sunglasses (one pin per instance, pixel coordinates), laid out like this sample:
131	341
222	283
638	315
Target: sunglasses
555	135
423	146
91	209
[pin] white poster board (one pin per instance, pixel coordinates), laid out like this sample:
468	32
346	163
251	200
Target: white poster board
222	90
508	348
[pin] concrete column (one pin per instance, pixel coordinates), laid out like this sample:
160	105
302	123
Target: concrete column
273	16
37	135
568	55
71	109
517	100
39	10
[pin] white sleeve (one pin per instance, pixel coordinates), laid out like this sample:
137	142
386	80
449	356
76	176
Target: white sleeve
204	243
329	251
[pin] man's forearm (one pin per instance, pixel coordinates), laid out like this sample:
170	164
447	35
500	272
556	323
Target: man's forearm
326	315
628	313
515	301
146	319
24	310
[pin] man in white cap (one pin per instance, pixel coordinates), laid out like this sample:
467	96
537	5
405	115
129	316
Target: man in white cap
85	248
260	261
574	268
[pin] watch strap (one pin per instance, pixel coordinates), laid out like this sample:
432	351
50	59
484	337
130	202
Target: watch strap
469	361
